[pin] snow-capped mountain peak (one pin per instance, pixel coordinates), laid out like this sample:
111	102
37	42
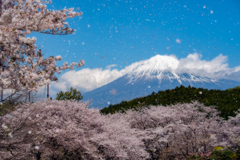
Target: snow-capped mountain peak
147	76
156	63
159	67
154	67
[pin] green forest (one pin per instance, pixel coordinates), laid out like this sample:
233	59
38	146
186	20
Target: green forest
226	101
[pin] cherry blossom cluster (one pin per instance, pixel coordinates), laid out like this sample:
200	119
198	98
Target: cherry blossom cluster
57	128
182	130
22	65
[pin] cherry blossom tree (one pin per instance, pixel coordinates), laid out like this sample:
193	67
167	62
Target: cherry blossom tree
14	99
68	129
22	65
181	130
57	129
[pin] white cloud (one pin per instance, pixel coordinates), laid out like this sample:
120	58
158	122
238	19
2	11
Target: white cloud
216	68
109	66
89	79
86	79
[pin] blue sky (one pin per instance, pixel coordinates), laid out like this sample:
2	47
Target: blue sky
113	34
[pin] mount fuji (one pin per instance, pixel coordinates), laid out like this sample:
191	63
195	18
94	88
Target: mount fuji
147	76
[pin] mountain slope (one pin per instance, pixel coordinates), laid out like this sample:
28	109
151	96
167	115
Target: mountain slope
145	77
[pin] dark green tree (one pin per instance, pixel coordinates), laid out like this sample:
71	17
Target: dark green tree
72	94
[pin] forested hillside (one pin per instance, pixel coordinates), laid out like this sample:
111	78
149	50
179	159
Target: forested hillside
227	101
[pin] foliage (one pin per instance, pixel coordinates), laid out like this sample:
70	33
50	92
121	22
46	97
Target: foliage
219	153
72	94
223	155
235	88
227	102
5	108
218	148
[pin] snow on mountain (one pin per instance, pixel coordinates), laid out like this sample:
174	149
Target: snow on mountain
159	67
147	76
152	68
